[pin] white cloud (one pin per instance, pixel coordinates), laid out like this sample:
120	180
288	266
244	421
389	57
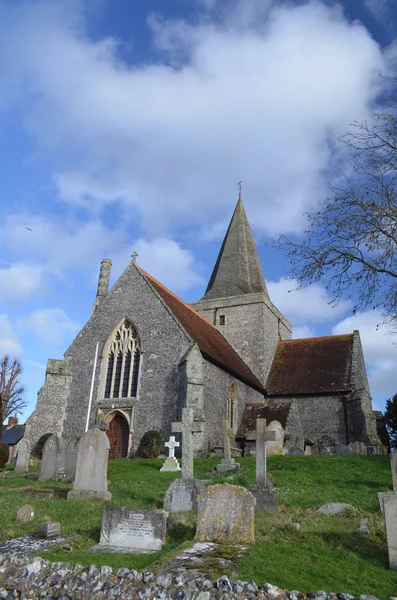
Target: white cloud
165	259
20	281
255	97
51	325
380	350
310	303
302	331
9	343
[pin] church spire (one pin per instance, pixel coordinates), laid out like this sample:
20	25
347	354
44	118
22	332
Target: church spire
237	270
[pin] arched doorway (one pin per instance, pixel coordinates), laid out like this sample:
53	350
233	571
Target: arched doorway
118	434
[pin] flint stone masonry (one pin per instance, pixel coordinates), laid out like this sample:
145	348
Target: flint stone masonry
22	462
61	580
50	460
91	480
181	495
125	530
27	544
225	513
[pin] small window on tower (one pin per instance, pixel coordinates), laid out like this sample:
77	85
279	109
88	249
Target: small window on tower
222	319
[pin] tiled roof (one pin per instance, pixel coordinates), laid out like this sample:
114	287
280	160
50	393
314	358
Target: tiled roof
271	411
12	435
311	366
211	342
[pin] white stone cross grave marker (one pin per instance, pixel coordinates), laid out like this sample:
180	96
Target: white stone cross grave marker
171	463
187	427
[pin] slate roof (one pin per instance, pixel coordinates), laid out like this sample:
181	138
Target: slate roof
211	342
237	270
12	435
271	411
311	366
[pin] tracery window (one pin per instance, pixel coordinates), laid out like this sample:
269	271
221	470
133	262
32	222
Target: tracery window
123	363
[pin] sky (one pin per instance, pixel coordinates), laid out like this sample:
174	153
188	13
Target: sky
125	126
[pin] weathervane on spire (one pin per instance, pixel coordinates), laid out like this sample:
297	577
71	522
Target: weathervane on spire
240	187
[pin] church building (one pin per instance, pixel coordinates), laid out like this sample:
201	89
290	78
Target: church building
144	354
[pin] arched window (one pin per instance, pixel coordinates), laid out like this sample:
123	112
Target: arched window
123	363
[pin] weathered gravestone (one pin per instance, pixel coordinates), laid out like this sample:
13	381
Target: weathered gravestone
393	466
50	459
23	456
70	459
276	445
227	463
358	448
295	451
49	529
326	445
91	480
25	514
225	513
187	428
171	463
263	489
182	494
381	498
126	530
390	508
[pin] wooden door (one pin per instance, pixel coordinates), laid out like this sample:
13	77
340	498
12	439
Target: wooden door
118	433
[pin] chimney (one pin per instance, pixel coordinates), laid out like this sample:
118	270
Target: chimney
103	283
12	421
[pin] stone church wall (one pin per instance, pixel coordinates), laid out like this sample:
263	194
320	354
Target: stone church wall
163	343
51	402
217	384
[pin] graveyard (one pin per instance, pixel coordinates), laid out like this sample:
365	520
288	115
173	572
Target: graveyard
295	548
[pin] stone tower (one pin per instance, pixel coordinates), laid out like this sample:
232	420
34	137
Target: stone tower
237	301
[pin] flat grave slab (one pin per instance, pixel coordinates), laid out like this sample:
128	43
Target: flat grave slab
132	531
27	544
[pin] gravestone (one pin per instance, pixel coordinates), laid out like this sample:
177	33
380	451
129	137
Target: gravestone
70	459
171	463
390	507
181	495
22	462
126	530
187	427
358	448
326	445
393	466
50	459
275	446
342	449
225	513
227	463
262	491
295	451
91	479
381	498
49	530
25	514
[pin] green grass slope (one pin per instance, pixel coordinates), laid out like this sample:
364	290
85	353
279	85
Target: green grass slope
321	552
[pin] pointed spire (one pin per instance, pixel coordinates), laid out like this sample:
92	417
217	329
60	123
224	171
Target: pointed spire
237	270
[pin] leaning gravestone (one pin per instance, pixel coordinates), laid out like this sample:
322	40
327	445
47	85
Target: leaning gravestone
326	445
390	508
393	466
91	480
181	496
23	456
225	513
70	459
125	530
50	459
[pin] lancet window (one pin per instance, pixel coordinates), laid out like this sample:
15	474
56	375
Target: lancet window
123	363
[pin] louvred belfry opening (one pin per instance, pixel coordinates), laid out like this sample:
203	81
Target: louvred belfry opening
118	433
123	363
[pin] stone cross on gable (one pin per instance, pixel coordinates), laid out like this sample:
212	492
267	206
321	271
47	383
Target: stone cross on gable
134	256
187	427
171	445
262	436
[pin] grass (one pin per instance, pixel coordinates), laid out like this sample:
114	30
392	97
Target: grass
325	553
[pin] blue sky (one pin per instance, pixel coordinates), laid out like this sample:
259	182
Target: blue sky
127	125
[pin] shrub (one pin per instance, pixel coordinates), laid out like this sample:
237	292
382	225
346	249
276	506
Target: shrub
4	453
151	444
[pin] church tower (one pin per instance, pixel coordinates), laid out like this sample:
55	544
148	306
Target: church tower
237	301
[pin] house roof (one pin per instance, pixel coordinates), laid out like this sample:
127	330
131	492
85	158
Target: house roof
237	270
12	435
271	411
213	346
311	366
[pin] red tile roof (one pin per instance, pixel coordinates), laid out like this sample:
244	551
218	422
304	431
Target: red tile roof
271	411
311	366
213	346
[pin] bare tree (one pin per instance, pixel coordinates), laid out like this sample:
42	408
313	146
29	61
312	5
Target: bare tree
11	388
350	243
